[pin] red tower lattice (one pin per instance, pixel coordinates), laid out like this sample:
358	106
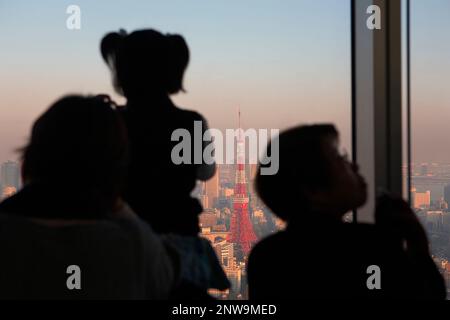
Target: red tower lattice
241	228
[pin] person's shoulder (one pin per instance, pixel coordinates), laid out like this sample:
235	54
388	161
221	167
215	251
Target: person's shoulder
271	245
130	221
372	237
363	229
365	233
370	230
268	257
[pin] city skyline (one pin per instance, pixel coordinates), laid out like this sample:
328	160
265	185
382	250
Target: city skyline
221	215
282	64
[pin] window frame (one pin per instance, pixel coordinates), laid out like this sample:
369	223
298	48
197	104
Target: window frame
377	112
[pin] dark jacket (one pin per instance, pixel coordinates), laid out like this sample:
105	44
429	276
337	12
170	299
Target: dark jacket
330	259
119	257
159	190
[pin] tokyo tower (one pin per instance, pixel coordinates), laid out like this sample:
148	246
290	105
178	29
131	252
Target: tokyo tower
241	228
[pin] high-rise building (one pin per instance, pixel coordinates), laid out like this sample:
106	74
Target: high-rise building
234	274
212	189
435	220
226	174
10	174
424	169
420	200
208	219
9	178
204	201
447	194
253	168
442	204
225	253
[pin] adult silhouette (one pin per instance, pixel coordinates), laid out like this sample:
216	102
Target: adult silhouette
147	68
70	213
320	256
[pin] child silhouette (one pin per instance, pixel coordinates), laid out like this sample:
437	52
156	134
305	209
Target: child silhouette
148	67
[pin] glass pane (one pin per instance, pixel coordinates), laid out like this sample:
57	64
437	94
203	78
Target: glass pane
430	107
280	63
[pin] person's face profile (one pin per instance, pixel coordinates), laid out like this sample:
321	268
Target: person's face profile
347	188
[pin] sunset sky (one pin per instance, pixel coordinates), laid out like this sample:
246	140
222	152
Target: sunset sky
430	75
283	63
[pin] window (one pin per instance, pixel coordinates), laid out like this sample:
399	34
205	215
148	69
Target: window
430	112
280	63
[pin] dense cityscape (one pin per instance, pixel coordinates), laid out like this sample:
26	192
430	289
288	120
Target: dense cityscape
430	198
217	196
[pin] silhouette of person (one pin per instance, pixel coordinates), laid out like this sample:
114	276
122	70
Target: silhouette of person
320	256
148	67
70	213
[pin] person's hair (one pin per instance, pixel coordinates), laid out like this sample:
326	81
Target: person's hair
145	61
303	165
80	144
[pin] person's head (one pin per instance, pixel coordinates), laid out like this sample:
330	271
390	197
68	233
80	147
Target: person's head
313	176
145	62
80	145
